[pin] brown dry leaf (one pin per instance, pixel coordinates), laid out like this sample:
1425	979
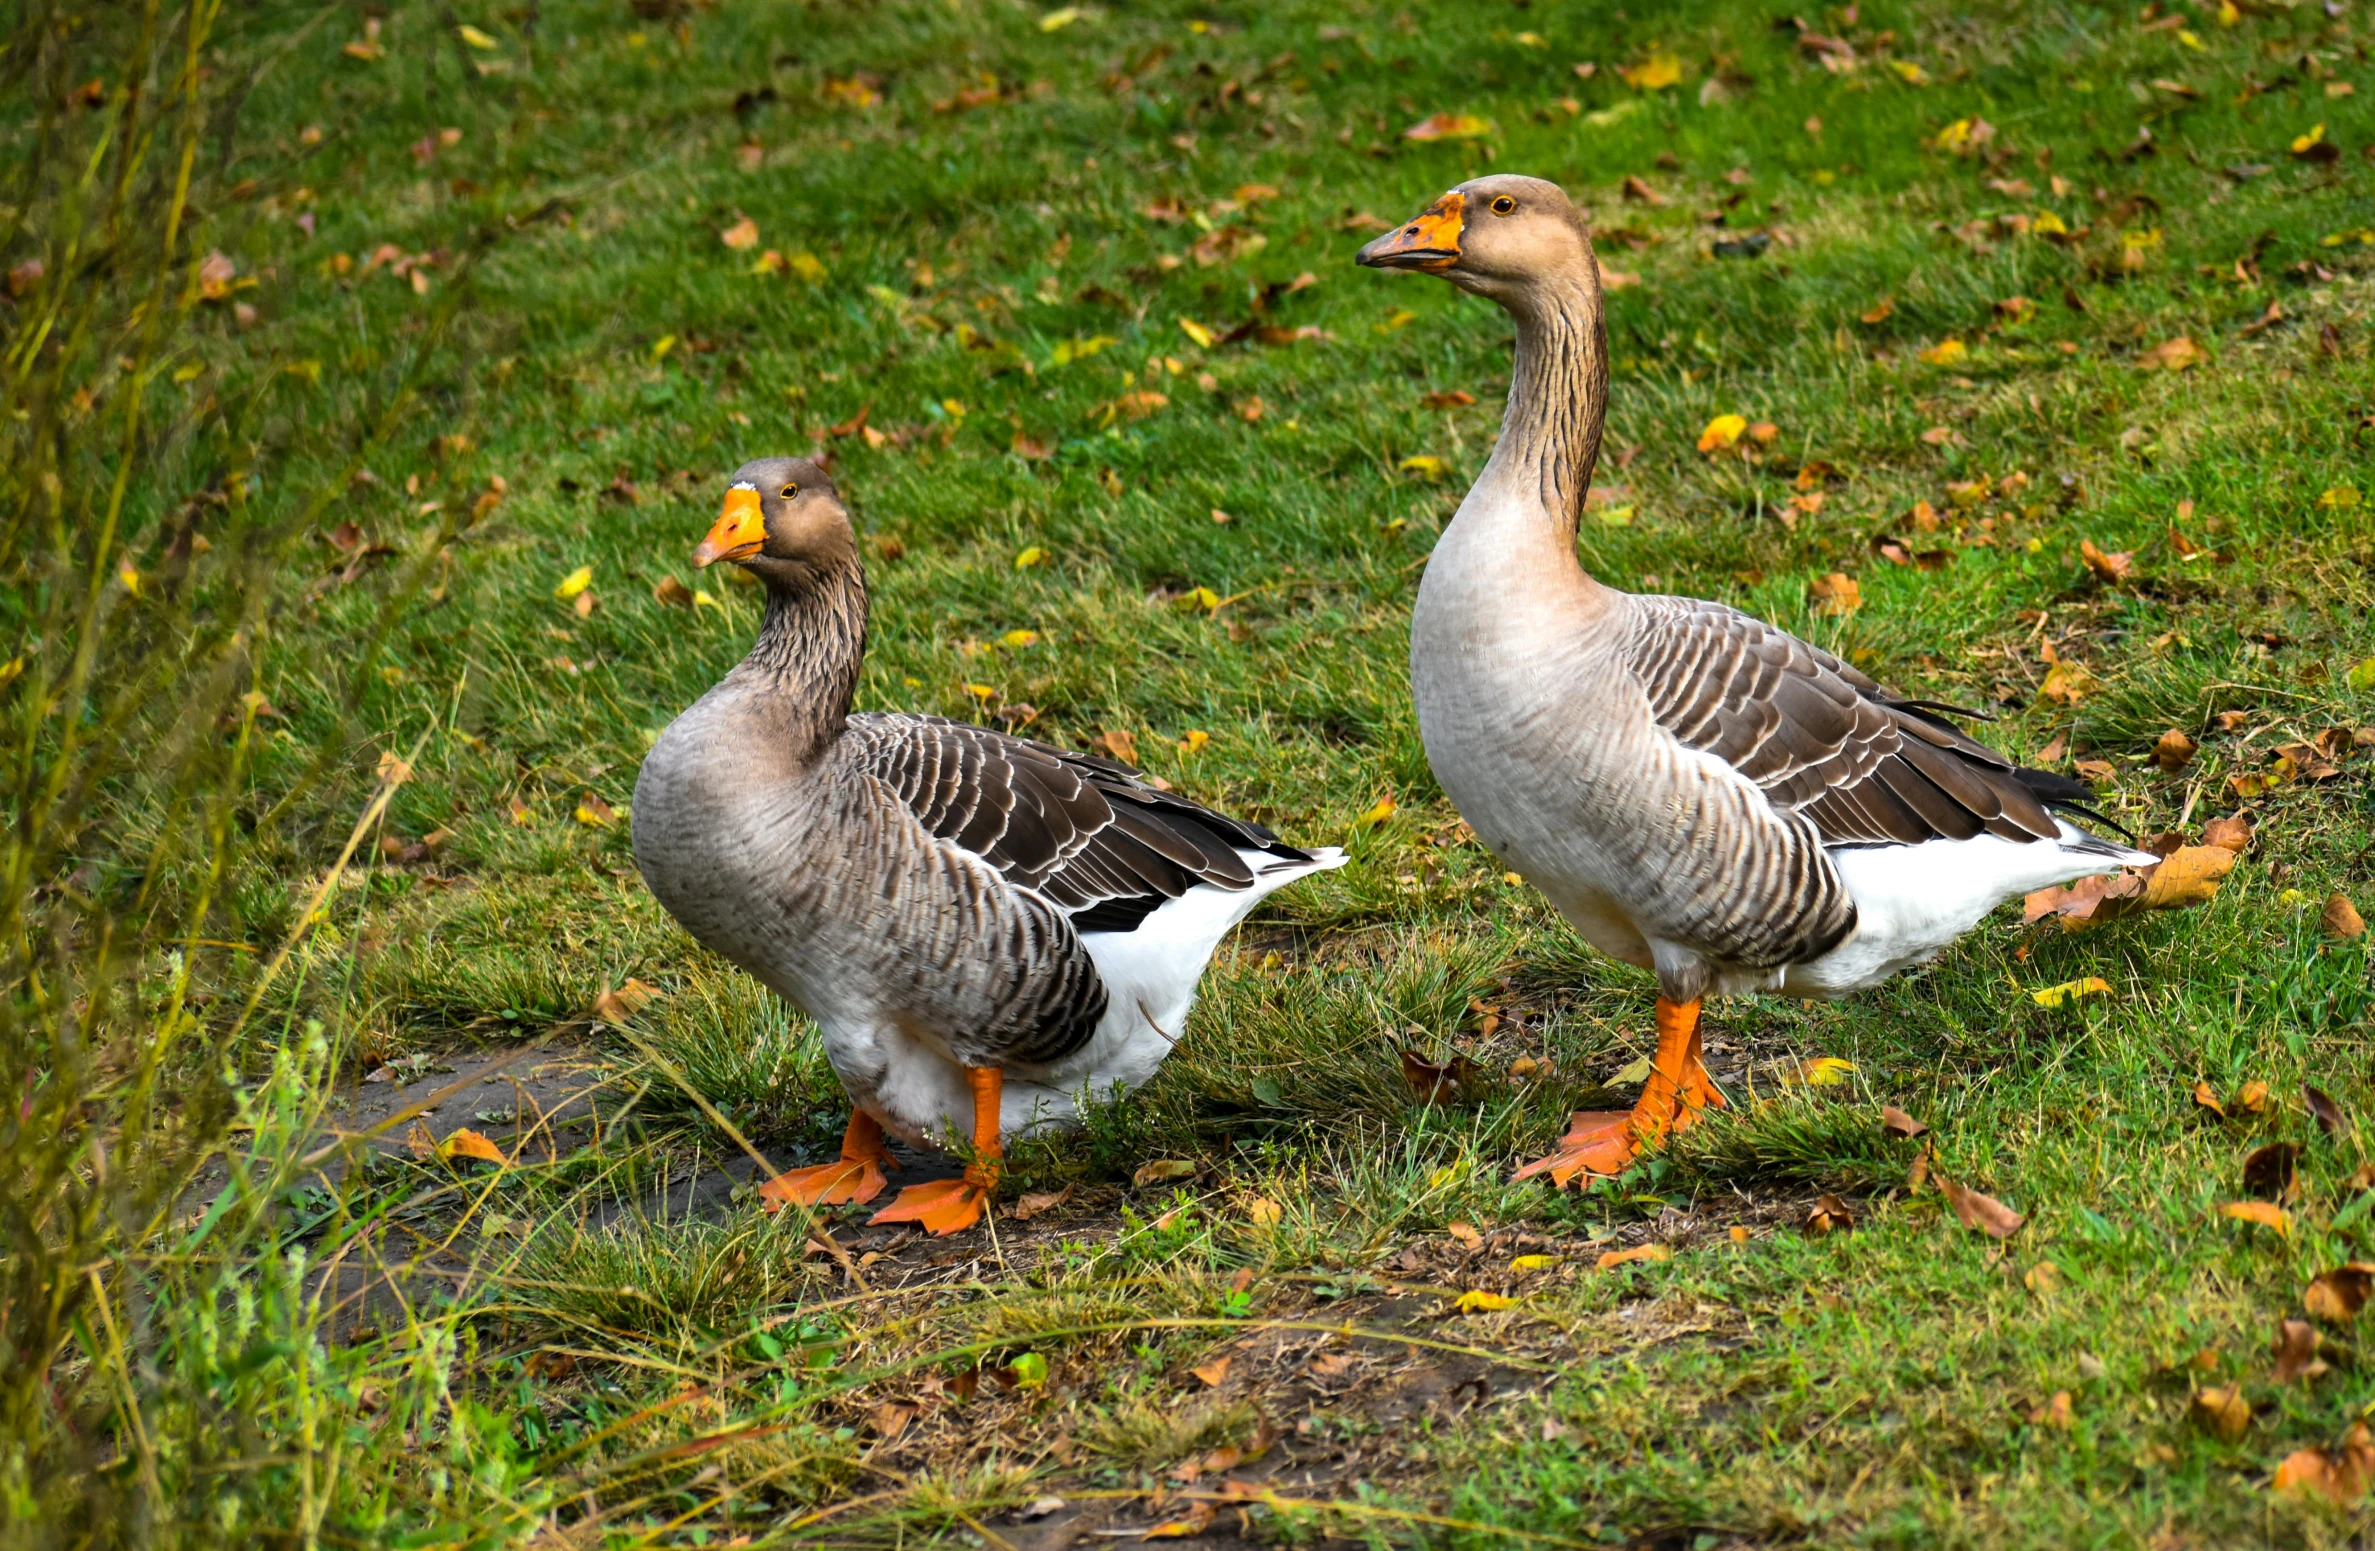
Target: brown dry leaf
2222	1412
1636	188
2042	1278
2296	1351
1214	1373
2096	772
1037	1201
1161	1171
2054	1413
670	591
2111	567
890	1419
1919	1174
2173	355
2336	1296
467	1143
1984	1212
2270	1172
2232	833
1335	1365
2266	1213
2252	1097
616	1007
1880	311
419	1140
2066	683
1193	1521
1117	743
2188	876
2207	1097
1469	1238
1637	1254
2340	918
1830	1215
1263	1212
2340	1474
1456	398
1836	593
2173	751
1895	1122
2323	1109
1435	1084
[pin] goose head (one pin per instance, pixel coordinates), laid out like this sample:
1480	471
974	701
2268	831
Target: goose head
1499	237
783	522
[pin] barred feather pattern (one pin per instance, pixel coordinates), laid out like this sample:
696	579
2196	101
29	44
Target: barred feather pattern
930	872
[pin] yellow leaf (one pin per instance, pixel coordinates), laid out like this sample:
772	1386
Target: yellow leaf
2047	224
1821	1072
2341	498
2187	37
1198	598
2266	1213
1946	352
1655	73
1196	331
1377	815
661	346
475	38
467	1143
1526	1263
1423	463
1400	317
1264	1212
1056	21
574	583
2302	143
1723	431
1639	1252
1616	516
1030	557
1160	1171
1482	1303
1195	741
1909	72
702	600
1020	638
2054	996
129	577
1449	126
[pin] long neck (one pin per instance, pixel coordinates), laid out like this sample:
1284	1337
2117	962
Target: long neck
811	646
1558	397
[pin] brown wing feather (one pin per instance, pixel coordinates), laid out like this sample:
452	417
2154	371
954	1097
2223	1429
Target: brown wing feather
1819	736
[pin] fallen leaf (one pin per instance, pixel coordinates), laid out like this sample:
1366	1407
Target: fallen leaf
742	234
1455	398
2341	1475
2252	1097
1946	352
2187	876
2173	355
1723	431
574	583
2266	1213
2269	1172
1469	1239
616	1007
890	1419
1449	126
2055	996
1197	1518
1835	593
2207	1097
2340	918
1034	1202
1432	1083
1820	1072
1830	1215
1214	1373
2222	1412
2231	834
2323	1109
1376	814
1480	1302
2336	1296
1973	1210
2054	1413
467	1143
1655	73
2108	567
1424	464
1029	1371
594	813
1335	1365
1895	1122
1880	311
2173	751
2042	1278
1263	1212
670	591
1161	1171
1637	1255
1117	743
2296	1350
1526	1265
1639	189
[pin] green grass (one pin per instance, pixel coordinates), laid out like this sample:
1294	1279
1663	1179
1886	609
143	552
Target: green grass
986	281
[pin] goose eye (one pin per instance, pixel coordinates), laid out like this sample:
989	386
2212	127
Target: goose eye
1503	205
789	491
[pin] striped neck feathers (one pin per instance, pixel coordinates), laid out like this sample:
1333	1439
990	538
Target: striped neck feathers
1558	395
810	650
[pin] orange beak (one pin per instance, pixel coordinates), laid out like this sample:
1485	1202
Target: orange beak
738	532
1431	242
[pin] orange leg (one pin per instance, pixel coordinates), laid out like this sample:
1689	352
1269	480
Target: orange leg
947	1206
856	1176
1677	1089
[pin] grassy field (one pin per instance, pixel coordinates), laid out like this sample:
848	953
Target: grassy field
441	329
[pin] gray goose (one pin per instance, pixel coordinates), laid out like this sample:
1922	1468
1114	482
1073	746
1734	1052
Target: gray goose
1699	793
986	929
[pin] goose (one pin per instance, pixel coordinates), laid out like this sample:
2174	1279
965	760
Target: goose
1700	793
985	929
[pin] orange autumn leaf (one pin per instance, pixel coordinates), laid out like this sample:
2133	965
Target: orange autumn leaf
2265	1213
467	1143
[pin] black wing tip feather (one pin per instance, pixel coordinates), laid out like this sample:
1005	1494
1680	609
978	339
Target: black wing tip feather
2068	794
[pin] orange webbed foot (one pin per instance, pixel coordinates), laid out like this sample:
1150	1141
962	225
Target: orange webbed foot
941	1206
827	1184
1602	1144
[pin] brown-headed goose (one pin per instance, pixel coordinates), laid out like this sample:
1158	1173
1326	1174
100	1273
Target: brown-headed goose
1700	793
985	929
